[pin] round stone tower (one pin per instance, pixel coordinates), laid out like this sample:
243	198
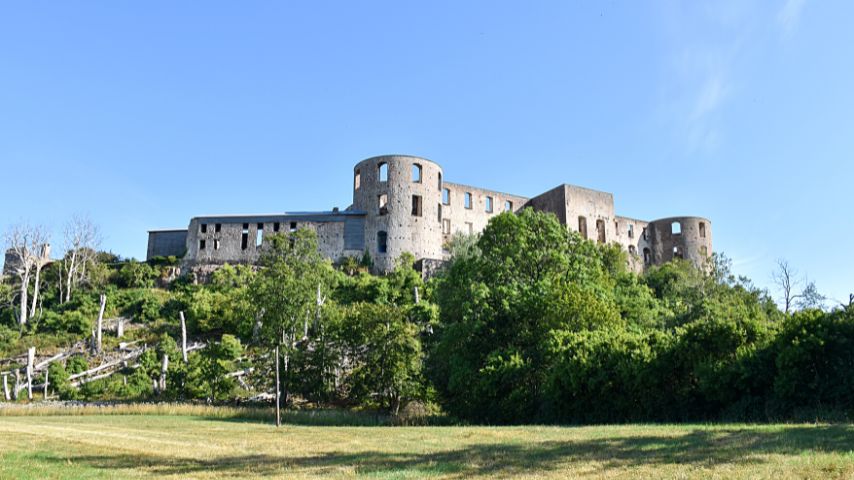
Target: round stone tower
685	237
402	198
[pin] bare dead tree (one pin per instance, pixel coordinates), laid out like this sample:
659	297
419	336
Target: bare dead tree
81	239
27	252
785	277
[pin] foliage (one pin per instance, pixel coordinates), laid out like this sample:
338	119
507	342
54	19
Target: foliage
137	275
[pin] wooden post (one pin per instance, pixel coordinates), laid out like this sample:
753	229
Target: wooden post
31	358
163	368
6	387
278	402
183	336
101	321
417	298
46	372
120	328
17	383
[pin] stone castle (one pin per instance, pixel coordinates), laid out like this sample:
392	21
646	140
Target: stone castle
403	204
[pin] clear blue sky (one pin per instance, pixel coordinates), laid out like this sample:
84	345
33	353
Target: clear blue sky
143	114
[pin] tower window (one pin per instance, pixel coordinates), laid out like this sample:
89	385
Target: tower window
676	228
702	229
416	173
440	180
382	172
439	210
446	196
204	228
382	203
382	242
582	227
508	206
416	205
357	181
467	200
488	208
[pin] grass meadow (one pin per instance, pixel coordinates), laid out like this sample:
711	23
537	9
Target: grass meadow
211	443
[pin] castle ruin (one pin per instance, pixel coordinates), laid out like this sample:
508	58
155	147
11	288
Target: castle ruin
403	204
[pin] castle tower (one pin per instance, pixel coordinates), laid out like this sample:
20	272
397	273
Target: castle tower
402	198
680	237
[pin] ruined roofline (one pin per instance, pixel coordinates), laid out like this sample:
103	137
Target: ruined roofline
455	184
282	214
167	230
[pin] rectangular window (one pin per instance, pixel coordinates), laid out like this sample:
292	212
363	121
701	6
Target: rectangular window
644	233
293	227
469	228
582	227
631	230
382	202
446	196
416	205
439	210
508	206
488	205
217	227
216	244
702	229
201	244
468	200
416	173
259	235
446	226
276	227
204	228
244	237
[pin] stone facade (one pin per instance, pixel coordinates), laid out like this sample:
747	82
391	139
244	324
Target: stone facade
403	204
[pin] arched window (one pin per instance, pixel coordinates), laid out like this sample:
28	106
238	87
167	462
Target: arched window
382	172
416	173
357	182
382	242
676	228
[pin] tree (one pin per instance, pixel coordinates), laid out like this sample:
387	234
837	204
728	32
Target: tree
217	361
27	252
285	292
81	239
785	277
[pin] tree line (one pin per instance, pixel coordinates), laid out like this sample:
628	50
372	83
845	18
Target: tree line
527	322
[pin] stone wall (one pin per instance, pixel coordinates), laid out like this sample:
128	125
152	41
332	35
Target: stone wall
165	243
474	219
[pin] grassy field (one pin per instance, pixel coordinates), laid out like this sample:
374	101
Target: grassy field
218	444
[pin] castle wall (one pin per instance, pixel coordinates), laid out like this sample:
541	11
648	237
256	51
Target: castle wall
165	243
473	220
240	239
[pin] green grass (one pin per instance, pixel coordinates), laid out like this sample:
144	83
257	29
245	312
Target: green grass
221	443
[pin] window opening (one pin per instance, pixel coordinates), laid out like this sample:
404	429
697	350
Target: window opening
446	226
446	196
647	257
468	200
382	242
382	202
600	230
244	237
702	229
416	173
201	244
508	206
216	244
204	228
631	231
676	228
259	235
276	227
357	180
382	172
217	227
582	227
488	208
416	205
293	227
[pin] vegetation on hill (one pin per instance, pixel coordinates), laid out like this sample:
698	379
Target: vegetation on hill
528	322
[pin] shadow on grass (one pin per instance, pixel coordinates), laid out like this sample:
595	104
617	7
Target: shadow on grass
699	448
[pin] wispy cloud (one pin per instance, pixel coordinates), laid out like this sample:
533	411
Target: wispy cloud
711	95
790	15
